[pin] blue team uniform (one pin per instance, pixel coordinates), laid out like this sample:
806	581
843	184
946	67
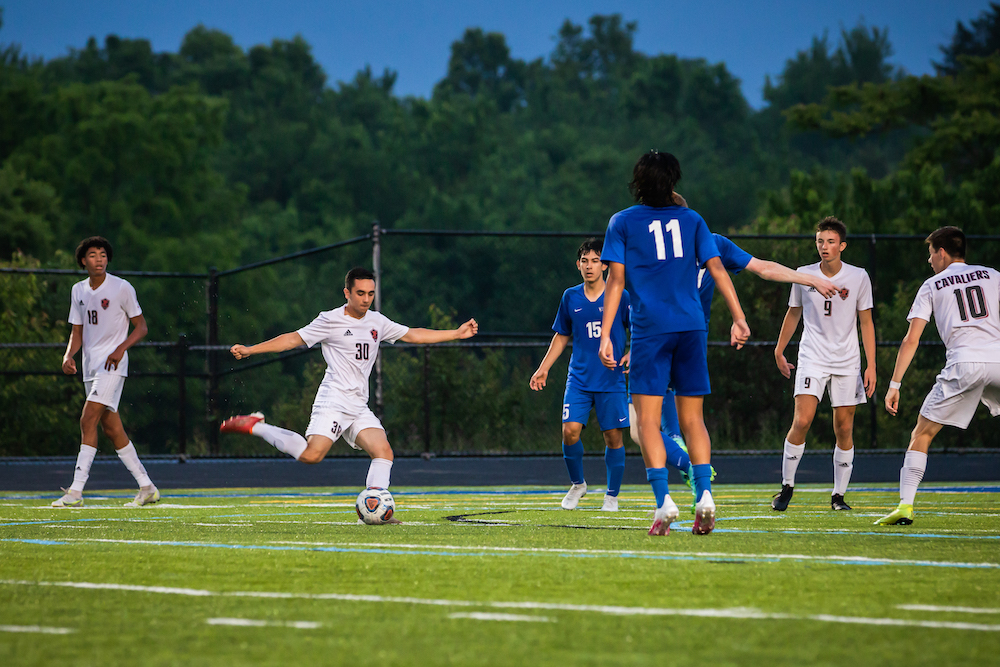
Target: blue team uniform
589	384
662	249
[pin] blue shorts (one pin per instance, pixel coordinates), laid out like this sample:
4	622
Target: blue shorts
678	360
612	407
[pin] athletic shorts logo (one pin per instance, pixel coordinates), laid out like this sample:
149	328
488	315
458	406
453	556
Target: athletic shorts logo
374	335
105	303
843	293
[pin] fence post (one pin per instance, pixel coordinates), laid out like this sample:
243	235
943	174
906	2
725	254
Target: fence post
377	270
427	400
873	407
182	350
212	362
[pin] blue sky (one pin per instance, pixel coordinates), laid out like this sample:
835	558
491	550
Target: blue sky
413	38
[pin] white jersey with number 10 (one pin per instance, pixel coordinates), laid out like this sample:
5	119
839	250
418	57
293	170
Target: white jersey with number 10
965	302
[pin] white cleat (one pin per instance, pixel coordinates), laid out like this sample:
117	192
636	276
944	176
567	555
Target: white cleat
147	496
573	496
704	515
610	504
70	499
664	515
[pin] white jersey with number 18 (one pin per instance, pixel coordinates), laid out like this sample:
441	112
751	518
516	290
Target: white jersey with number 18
104	314
965	302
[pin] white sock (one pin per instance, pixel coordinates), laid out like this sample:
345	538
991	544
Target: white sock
83	462
378	473
843	466
790	462
130	458
282	439
914	464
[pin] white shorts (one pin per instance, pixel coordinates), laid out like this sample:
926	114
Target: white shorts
958	389
105	389
845	390
331	420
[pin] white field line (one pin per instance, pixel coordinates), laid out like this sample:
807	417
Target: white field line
960	610
250	623
731	612
37	629
482	616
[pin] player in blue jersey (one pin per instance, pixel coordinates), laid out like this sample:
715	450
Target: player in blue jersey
589	385
658	248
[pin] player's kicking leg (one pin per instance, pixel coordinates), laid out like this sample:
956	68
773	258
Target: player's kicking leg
912	472
805	412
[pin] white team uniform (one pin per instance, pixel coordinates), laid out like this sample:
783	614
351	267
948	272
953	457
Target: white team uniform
349	348
829	354
104	314
965	302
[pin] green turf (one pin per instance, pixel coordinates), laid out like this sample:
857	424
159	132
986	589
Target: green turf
805	587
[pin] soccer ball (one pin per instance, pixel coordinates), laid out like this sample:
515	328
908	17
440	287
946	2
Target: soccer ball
375	506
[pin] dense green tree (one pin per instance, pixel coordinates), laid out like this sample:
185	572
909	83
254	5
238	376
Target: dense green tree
981	38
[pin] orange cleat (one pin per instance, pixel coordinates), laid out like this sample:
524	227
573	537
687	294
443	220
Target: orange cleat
241	423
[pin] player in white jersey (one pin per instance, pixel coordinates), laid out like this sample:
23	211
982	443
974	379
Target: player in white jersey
829	359
964	300
101	308
350	336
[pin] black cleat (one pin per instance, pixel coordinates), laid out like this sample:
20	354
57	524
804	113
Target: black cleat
782	498
837	502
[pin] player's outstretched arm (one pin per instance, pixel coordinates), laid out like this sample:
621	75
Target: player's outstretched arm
72	347
427	336
139	331
740	331
868	340
286	341
788	327
779	273
613	289
556	347
903	358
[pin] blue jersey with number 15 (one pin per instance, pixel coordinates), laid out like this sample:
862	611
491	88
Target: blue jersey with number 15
661	249
580	318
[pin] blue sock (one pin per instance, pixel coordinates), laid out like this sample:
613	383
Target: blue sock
702	478
614	459
676	456
573	455
658	480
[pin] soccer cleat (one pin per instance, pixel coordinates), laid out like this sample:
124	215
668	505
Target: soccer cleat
573	496
837	502
147	495
70	499
704	515
664	515
610	504
782	498
241	423
901	516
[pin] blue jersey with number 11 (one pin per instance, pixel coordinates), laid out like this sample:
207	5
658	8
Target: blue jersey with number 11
661	249
580	318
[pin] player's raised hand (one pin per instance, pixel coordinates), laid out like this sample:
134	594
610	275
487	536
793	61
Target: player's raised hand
468	330
892	401
739	333
607	353
825	287
783	366
69	366
870	380
240	351
537	381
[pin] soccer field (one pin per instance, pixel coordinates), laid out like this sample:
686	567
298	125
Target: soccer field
498	577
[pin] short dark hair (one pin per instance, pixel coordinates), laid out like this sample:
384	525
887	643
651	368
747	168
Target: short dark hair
593	243
831	224
950	239
653	179
355	274
92	242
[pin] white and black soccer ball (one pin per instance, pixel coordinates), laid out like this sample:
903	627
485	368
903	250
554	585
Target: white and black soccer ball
375	506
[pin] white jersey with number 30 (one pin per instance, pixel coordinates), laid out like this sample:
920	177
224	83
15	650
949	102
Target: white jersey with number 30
349	348
830	326
965	302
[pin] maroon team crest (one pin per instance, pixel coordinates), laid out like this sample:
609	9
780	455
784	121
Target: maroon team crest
374	335
105	303
843	293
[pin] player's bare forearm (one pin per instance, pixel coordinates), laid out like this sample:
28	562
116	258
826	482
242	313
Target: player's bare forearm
540	376
431	336
868	336
72	347
613	288
779	273
139	331
740	332
908	348
788	327
282	343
